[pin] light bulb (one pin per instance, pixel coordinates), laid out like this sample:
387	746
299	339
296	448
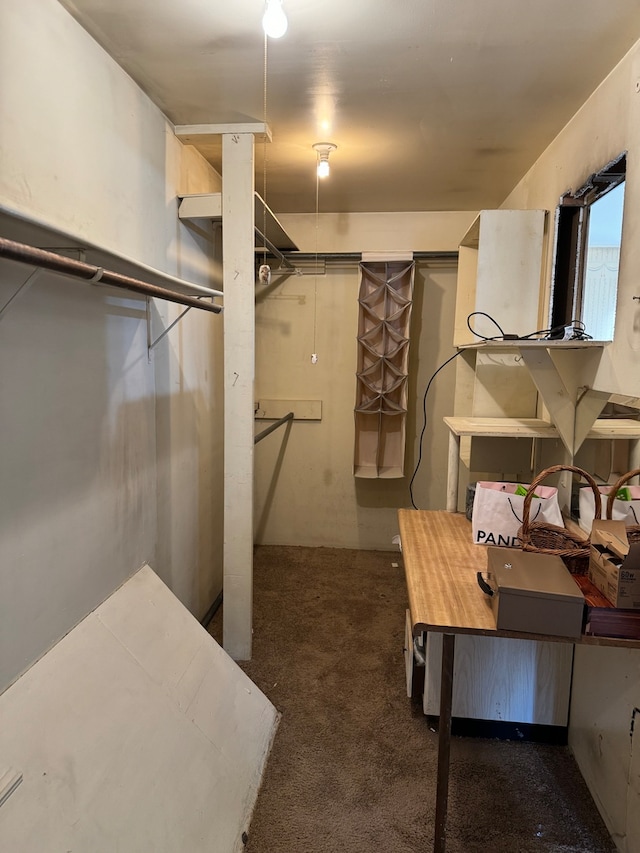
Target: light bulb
323	168
274	22
323	149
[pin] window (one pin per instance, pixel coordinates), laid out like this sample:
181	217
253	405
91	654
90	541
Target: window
587	252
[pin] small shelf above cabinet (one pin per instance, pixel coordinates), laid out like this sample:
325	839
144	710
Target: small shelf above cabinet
563	373
602	428
499	274
519	387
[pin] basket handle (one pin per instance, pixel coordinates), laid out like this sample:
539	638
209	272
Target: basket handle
553	470
618	485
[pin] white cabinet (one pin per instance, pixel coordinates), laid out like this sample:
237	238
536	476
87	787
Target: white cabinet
561	372
517	389
500	268
519	392
502	680
500	273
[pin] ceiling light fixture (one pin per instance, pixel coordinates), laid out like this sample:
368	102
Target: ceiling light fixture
323	149
274	21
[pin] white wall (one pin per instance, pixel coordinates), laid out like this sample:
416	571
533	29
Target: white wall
108	460
607	124
606	687
604	737
306	493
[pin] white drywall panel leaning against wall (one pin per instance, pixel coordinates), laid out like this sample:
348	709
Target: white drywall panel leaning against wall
133	735
87	420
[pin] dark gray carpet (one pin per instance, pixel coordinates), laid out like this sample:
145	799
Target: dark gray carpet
353	766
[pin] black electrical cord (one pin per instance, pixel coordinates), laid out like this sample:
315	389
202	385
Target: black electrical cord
424	424
579	333
557	333
577	327
499	337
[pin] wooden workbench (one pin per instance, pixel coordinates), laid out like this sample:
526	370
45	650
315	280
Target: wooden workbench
441	564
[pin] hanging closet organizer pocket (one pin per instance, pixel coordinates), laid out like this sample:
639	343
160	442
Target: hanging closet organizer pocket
385	301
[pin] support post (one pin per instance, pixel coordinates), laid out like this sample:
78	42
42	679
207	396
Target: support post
444	743
634	457
453	472
239	361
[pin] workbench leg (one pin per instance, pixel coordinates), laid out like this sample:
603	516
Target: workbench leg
634	458
444	742
453	470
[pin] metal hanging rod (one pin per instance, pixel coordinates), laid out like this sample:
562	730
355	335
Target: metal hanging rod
301	262
274	426
357	256
88	272
273	250
14	223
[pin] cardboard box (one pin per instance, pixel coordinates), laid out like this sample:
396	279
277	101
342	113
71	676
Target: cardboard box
603	619
614	564
534	593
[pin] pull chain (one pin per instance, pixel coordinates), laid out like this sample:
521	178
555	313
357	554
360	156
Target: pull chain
314	355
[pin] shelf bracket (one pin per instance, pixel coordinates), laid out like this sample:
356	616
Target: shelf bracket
588	408
20	291
553	391
152	343
268	245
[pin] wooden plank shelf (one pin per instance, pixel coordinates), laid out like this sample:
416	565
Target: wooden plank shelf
602	428
533	343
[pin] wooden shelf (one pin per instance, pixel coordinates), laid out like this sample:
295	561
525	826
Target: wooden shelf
209	206
525	343
602	428
21	229
500	274
559	369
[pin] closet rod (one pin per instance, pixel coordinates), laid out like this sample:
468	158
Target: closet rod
270	429
357	256
25	254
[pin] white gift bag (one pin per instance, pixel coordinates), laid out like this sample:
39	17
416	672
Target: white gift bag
497	511
623	510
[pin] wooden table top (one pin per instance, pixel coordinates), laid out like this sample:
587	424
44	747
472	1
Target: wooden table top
441	563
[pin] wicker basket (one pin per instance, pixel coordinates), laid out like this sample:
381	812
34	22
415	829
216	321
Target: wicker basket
633	530
545	538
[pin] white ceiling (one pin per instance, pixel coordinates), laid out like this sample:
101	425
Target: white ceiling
433	104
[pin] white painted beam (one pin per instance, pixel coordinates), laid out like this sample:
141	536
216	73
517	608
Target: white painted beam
197	134
239	371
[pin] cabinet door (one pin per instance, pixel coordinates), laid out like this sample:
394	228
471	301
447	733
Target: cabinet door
518	681
633	794
604	736
500	273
